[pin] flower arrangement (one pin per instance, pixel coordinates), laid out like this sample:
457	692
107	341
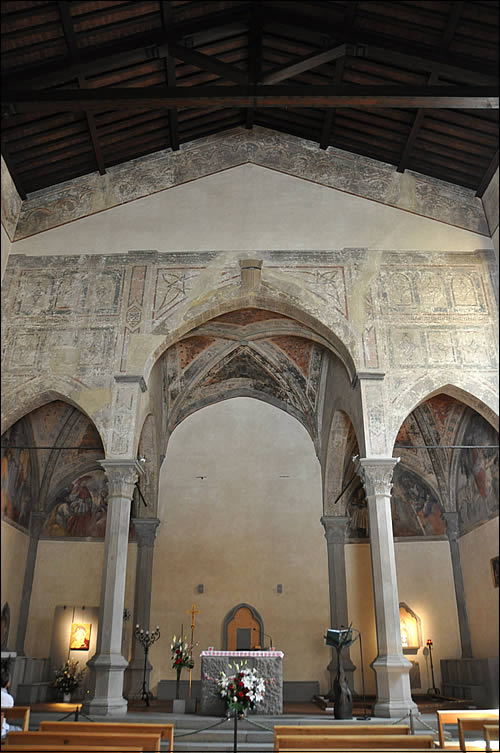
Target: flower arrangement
242	690
69	676
181	657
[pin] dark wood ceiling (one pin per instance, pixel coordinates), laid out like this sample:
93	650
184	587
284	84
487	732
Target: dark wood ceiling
88	84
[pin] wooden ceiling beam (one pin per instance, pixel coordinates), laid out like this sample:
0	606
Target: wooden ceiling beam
428	97
304	64
208	63
488	175
451	25
254	57
390	49
71	41
173	119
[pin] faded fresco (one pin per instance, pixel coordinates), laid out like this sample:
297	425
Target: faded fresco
80	509
415	506
477	474
16	476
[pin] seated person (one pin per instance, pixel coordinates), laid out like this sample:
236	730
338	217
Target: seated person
7	699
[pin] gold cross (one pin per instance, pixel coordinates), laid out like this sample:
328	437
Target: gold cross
192	612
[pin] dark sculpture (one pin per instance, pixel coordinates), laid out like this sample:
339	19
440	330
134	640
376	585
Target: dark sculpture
342	693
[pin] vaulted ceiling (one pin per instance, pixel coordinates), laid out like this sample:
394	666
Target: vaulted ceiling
88	84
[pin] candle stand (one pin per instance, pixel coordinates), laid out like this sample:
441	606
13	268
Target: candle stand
146	639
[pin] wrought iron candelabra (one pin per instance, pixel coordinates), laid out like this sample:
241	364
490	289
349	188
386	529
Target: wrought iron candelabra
146	638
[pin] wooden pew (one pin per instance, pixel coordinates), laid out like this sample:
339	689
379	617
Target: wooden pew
451	717
466	724
70	749
340	729
491	734
143	740
166	731
17	714
348	742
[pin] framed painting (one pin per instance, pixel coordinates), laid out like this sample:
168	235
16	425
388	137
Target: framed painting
80	636
494	571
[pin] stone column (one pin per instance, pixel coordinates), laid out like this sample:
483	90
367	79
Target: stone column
108	665
145	532
391	668
335	528
37	520
451	519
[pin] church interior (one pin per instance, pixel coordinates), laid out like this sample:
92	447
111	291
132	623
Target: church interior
250	347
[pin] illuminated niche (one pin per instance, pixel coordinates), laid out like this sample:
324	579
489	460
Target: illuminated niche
411	631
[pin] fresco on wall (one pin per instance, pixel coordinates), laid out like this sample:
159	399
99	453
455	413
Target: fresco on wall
415	506
16	476
477	474
80	509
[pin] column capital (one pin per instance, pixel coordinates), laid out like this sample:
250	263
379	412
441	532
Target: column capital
335	527
122	475
145	530
376	475
452	524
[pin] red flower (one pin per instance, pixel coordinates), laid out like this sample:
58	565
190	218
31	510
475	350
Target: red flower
178	651
241	694
178	661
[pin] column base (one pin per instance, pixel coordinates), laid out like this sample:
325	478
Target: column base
105	707
107	683
395	710
393	687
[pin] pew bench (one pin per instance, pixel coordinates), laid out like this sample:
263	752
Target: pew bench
451	717
350	742
339	729
491	734
166	731
144	741
17	714
471	725
70	749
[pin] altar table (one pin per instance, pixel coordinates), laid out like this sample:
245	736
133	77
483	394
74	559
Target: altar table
269	665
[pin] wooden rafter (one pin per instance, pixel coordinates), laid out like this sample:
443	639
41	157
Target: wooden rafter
306	63
173	118
488	175
430	97
254	57
451	26
69	34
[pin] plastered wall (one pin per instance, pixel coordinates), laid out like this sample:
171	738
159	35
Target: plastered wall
13	558
77	583
425	584
237	210
476	550
240	508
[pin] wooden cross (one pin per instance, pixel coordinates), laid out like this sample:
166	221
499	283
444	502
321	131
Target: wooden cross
192	612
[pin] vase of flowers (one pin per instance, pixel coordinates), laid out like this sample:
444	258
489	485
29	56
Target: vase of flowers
241	690
181	657
68	678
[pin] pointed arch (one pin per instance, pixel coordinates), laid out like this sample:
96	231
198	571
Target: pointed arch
476	395
193	314
29	396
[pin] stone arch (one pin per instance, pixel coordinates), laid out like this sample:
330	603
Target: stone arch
147	448
27	397
250	617
476	395
335	463
193	314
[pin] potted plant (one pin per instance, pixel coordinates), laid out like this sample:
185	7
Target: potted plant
68	678
181	657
